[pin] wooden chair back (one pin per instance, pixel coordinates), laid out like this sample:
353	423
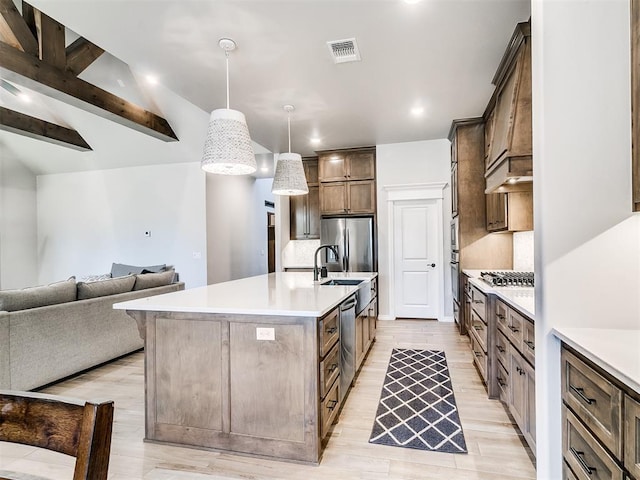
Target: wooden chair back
70	426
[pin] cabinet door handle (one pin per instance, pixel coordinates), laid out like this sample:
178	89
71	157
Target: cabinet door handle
477	354
478	301
513	329
529	344
331	330
580	392
500	348
500	316
331	404
477	328
501	382
520	370
579	457
333	367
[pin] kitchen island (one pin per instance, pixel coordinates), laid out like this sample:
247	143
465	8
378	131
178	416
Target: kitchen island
249	366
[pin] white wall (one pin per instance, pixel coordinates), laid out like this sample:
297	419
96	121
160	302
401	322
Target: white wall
587	241
405	164
87	220
18	224
236	227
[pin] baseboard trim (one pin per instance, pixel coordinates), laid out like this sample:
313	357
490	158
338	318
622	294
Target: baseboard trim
447	320
386	317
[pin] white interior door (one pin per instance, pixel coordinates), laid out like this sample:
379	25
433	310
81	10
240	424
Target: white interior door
416	262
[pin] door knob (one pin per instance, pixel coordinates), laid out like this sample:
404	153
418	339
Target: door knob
433	265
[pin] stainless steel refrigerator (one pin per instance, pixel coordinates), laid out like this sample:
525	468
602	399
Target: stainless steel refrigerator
355	240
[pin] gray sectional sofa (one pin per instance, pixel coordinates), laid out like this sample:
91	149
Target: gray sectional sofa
43	344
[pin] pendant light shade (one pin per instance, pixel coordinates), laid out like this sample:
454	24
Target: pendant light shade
289	178
228	149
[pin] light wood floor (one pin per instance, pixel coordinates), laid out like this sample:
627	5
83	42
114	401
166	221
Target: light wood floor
496	451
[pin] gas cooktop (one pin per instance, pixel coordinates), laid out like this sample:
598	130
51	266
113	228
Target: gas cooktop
508	279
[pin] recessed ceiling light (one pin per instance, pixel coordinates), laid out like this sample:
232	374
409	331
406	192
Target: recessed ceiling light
264	169
315	140
417	111
411	2
514	180
151	79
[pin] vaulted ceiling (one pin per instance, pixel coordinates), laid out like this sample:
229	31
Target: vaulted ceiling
436	54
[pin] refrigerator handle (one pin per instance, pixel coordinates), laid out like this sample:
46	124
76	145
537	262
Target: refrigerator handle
344	250
348	250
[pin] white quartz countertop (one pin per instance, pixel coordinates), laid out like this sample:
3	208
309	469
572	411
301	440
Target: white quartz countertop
281	293
616	351
521	298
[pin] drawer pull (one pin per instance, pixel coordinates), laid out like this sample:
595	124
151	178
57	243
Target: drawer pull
501	382
331	404
501	349
520	370
477	328
530	344
477	354
500	316
333	367
579	457
580	392
478	301
513	329
332	330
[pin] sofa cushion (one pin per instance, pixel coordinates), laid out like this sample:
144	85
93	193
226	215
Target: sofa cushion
33	297
102	288
151	280
121	269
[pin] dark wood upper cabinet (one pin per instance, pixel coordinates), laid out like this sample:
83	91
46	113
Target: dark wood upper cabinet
347	181
508	121
635	102
304	210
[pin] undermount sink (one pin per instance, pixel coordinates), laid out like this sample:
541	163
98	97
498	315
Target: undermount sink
342	281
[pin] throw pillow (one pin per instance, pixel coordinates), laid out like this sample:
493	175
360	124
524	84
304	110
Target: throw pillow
95	278
102	288
150	280
33	297
122	270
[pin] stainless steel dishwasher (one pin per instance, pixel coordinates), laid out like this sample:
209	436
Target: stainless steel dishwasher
347	344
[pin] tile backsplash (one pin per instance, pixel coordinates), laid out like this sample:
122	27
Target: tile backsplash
299	253
523	251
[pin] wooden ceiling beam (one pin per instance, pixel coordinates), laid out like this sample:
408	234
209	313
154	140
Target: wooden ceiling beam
80	54
14	30
41	77
32	127
50	40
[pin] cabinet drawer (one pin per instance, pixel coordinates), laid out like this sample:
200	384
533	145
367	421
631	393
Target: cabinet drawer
529	342
502	317
329	369
329	332
515	329
632	436
503	383
479	357
480	329
594	399
329	408
586	457
479	302
502	347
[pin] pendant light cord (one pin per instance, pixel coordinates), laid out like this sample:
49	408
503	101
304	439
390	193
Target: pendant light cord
289	129
227	59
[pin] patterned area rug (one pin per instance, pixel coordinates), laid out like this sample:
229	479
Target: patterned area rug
417	408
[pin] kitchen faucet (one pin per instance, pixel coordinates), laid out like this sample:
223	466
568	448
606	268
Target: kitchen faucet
316	270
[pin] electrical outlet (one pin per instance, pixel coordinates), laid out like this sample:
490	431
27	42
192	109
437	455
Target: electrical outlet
197	255
265	333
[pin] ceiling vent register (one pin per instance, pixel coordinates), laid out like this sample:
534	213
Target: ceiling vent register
344	50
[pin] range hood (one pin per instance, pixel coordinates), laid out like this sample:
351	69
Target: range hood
512	174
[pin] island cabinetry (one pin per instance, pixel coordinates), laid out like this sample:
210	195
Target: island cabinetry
257	384
304	210
366	326
601	418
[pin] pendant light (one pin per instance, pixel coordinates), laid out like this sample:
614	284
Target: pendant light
227	148
289	178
